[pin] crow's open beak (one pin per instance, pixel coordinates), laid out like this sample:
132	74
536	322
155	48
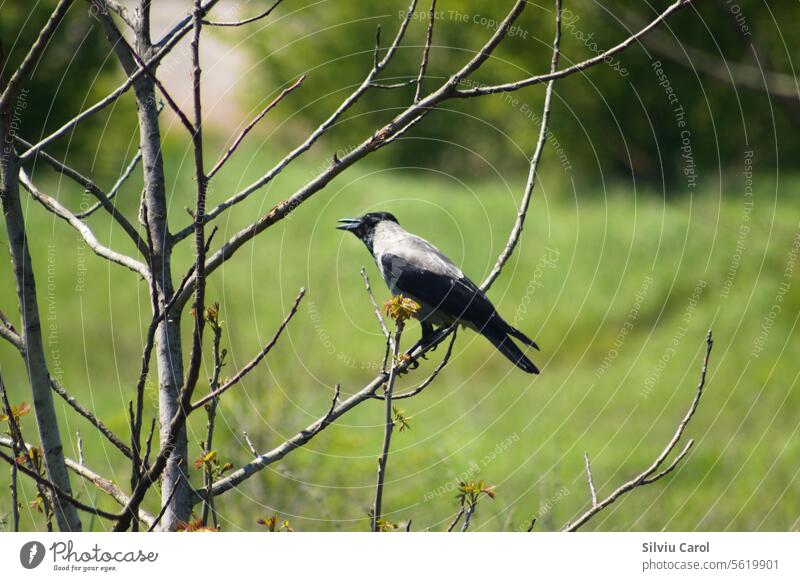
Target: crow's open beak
348	224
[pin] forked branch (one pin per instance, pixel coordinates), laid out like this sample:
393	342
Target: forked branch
651	474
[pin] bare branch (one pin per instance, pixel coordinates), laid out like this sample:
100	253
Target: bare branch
649	475
112	193
431	377
375	306
423	66
589	478
506	87
52	205
453	524
250	445
255	361
57	490
306	145
166	45
164	507
23	72
102	199
82	411
516	231
253	123
264	14
388	427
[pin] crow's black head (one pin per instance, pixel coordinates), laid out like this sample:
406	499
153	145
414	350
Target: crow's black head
364	227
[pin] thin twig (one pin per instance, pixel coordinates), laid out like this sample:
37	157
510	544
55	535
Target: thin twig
17	444
560	74
58	490
453	524
589	478
334	402
250	445
253	123
375	306
264	14
196	354
388	428
112	193
102	198
423	66
516	231
650	475
468	516
79	445
29	62
431	377
211	415
253	362
166	45
164	507
52	205
315	135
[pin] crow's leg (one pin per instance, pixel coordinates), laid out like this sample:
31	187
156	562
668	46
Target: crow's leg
427	334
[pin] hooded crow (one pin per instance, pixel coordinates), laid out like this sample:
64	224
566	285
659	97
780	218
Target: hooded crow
415	268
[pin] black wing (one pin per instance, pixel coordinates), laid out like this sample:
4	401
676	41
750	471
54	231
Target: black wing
458	298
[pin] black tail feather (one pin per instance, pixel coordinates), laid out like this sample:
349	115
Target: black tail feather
508	348
517	334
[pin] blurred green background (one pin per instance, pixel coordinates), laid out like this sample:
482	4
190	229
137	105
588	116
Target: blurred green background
630	254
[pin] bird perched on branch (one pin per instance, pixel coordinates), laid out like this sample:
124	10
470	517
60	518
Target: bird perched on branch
413	267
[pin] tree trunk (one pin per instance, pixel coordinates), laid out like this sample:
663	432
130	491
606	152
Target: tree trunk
36	365
168	335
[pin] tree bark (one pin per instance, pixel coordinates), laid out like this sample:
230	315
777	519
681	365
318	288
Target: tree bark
175	490
168	335
35	362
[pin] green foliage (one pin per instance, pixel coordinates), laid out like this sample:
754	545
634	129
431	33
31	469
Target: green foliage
77	69
614	120
585	267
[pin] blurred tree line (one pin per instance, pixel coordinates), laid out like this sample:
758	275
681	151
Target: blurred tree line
627	116
77	70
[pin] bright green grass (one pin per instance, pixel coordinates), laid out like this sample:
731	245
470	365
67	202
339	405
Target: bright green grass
571	285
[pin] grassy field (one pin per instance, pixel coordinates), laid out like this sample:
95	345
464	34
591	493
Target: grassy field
618	287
